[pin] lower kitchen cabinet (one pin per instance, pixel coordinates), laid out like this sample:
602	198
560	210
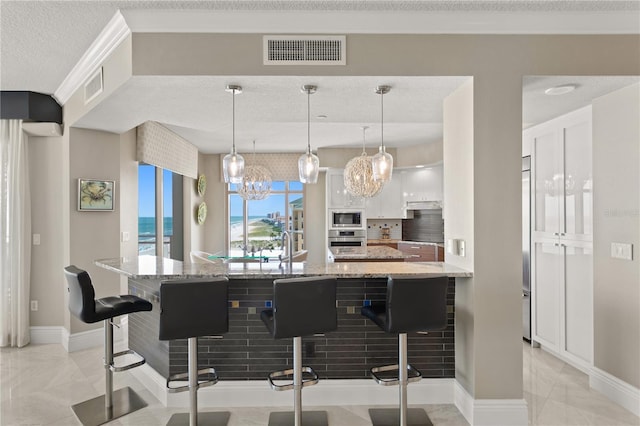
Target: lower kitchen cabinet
421	252
562	299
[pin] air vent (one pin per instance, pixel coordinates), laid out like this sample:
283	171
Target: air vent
93	87
305	50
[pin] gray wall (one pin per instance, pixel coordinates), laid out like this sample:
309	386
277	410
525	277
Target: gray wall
616	207
95	235
46	167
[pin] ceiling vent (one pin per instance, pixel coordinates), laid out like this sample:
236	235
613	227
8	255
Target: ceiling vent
93	87
305	50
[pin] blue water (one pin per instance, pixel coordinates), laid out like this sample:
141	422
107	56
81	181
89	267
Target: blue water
238	219
147	226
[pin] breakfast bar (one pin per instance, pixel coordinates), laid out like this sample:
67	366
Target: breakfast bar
248	352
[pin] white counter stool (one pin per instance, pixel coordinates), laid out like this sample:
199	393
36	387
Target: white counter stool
301	307
413	304
88	309
191	308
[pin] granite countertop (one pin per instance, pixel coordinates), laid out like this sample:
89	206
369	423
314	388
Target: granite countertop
367	252
156	267
418	243
382	241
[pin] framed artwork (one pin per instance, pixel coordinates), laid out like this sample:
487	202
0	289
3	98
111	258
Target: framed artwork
95	195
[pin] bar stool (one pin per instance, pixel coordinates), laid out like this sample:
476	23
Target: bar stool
189	309
412	304
301	307
86	308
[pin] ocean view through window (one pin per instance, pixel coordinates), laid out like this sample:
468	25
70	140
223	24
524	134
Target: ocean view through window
256	226
148	192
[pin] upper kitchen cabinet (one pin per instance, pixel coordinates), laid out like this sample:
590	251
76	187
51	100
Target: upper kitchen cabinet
424	184
388	204
337	195
562	180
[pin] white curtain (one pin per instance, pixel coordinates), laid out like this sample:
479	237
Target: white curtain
15	248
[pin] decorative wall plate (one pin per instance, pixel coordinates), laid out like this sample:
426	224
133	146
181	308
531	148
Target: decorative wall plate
202	184
202	213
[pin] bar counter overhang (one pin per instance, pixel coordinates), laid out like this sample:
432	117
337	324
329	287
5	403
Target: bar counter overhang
245	355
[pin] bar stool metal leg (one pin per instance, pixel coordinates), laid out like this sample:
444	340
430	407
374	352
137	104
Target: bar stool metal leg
298	417
402	416
111	405
193	418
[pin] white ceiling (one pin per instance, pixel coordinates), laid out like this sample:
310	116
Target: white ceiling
41	42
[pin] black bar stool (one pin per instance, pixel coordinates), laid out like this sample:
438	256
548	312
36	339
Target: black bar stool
301	307
413	304
82	304
189	309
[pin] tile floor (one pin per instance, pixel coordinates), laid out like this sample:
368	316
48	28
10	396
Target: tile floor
39	383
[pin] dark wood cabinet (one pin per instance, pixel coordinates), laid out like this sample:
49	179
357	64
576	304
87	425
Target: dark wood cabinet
421	252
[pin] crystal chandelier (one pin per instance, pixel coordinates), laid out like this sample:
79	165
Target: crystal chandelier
308	164
256	182
233	163
382	162
358	174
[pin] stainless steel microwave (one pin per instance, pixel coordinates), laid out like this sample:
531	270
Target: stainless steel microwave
340	219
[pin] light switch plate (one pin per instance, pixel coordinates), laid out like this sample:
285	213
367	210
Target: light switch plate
622	251
36	239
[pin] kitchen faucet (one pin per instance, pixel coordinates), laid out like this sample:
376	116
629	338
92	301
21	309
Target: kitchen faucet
287	235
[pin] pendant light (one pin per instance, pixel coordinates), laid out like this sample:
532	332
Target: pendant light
308	164
358	174
382	162
256	182
233	163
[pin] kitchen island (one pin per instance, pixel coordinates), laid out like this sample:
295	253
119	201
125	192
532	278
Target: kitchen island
247	351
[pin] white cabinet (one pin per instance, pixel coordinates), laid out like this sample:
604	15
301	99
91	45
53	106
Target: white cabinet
562	299
337	195
561	230
562	180
388	204
424	184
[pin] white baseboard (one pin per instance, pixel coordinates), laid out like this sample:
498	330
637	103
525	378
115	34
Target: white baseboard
616	390
72	342
41	335
257	393
490	412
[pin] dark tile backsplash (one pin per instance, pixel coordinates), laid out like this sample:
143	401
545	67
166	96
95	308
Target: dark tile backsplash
426	225
248	352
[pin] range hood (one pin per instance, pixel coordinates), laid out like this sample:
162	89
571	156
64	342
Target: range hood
424	205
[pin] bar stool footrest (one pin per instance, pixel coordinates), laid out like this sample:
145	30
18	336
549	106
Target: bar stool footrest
128	366
308	382
413	375
211	380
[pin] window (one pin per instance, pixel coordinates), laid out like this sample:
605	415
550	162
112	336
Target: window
256	227
150	194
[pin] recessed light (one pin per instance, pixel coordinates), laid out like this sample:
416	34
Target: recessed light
321	117
419	166
560	90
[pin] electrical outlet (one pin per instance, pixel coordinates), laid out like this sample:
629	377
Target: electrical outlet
34	305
